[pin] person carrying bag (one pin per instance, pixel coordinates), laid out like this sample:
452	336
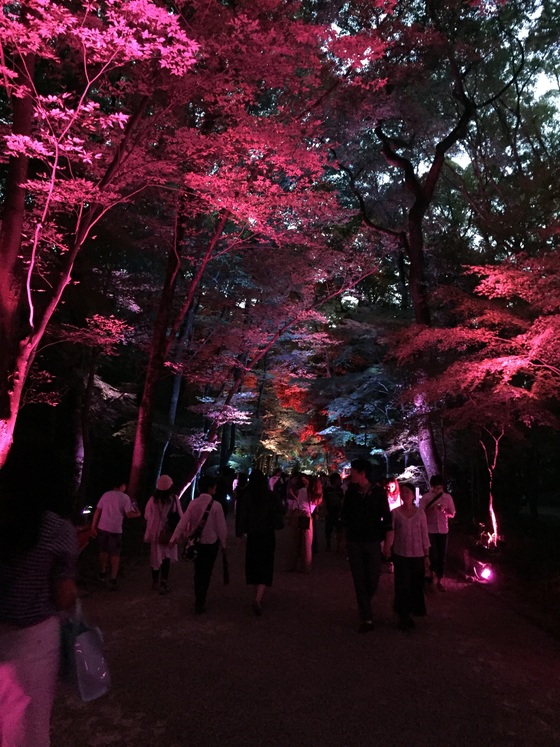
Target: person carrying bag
203	525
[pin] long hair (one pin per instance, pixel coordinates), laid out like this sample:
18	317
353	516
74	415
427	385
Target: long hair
163	496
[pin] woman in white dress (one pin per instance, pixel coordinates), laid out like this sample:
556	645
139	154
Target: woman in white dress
163	511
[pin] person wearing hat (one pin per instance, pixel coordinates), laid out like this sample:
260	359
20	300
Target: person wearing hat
107	526
162	515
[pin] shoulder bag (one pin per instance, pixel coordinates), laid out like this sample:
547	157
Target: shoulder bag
190	550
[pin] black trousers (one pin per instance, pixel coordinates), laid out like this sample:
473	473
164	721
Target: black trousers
409	585
203	567
365	565
438	549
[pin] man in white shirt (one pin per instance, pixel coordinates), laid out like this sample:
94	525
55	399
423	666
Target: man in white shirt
214	535
107	525
439	508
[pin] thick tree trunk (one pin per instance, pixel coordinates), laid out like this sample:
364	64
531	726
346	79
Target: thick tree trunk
82	439
15	356
156	360
428	453
161	342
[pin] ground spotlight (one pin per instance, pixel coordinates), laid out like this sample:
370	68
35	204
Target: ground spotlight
478	570
483	571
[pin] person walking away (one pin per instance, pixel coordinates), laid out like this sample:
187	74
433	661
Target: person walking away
333	496
411	549
301	526
315	491
162	512
214	535
439	508
260	514
366	519
107	526
238	494
38	568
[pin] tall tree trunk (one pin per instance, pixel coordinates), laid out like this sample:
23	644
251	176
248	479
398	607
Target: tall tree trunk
15	356
162	339
85	431
156	360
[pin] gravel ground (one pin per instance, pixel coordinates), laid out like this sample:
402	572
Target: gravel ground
474	672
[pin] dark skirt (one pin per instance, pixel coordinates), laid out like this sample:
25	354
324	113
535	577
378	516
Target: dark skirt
259	557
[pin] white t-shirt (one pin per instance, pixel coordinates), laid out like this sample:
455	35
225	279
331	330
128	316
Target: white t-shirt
114	506
438	512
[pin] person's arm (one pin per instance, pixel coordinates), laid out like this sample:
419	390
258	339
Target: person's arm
95	522
64	594
181	529
130	509
388	544
448	507
425	541
178	506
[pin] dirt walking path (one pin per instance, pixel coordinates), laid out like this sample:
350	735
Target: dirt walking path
473	672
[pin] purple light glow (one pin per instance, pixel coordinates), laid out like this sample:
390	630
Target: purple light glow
486	573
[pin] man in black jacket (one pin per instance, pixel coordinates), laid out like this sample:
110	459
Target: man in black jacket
367	521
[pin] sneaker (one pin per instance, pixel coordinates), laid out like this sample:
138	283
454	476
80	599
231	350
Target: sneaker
164	588
366	626
112	584
199	609
102	576
155	586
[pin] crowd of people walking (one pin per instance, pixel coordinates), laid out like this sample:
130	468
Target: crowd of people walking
371	521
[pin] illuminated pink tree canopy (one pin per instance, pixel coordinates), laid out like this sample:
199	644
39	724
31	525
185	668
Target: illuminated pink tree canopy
253	230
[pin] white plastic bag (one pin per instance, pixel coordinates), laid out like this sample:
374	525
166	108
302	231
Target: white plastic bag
83	657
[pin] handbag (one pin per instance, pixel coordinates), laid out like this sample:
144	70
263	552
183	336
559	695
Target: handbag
190	550
82	658
169	527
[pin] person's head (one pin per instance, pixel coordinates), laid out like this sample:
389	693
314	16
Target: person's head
258	482
207	484
335	479
436	481
164	489
360	472
408	493
392	486
277	472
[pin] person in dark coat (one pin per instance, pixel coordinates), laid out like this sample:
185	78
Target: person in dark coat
366	519
260	514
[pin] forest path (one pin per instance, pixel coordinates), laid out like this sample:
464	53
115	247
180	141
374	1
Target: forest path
474	672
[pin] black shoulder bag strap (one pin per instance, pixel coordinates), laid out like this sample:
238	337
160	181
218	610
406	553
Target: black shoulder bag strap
197	534
437	497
